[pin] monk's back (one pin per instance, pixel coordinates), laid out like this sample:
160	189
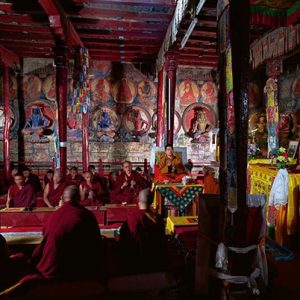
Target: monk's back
71	245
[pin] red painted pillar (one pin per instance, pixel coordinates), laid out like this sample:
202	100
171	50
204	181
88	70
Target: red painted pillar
170	65
6	140
160	112
61	95
85	142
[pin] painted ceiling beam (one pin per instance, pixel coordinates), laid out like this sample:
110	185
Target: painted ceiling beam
106	42
62	26
21	28
8	57
168	3
26	37
125	35
119	14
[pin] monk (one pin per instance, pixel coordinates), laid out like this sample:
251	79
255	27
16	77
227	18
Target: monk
48	178
13	266
128	185
54	190
70	249
211	186
169	167
73	177
21	194
142	237
90	191
32	179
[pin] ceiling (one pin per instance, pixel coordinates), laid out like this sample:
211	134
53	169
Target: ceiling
113	30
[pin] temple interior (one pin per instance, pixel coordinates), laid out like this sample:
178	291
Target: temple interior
149	149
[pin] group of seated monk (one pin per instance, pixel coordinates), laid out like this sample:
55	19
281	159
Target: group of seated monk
73	249
122	188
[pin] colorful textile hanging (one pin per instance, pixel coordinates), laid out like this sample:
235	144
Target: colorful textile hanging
271	95
82	90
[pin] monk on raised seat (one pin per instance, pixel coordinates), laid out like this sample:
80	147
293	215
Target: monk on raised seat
21	194
169	166
32	179
71	245
142	237
54	190
73	177
90	191
128	185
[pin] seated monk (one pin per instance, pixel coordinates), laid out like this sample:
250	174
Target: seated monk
128	185
70	249
48	177
73	177
13	266
21	194
90	191
54	190
169	166
211	185
142	238
32	179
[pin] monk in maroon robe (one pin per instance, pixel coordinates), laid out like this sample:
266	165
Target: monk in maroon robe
71	245
90	191
48	177
54	190
142	237
32	179
73	177
127	186
21	194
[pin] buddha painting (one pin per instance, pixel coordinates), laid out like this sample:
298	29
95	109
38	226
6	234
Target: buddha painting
105	127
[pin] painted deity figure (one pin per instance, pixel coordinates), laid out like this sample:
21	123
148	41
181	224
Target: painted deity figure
105	127
261	134
35	123
140	125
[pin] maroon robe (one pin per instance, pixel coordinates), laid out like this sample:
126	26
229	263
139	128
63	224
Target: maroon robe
25	197
97	191
74	181
34	180
54	195
71	245
127	194
142	241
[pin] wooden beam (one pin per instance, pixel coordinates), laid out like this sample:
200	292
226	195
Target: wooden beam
62	27
168	3
8	58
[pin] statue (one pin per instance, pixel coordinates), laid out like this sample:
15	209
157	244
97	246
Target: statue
105	127
199	125
35	125
261	134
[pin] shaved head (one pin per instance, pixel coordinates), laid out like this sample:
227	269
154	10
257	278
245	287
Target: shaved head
145	198
71	193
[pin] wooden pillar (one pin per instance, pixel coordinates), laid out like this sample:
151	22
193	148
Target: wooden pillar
20	89
85	141
160	112
171	66
6	135
240	41
61	95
